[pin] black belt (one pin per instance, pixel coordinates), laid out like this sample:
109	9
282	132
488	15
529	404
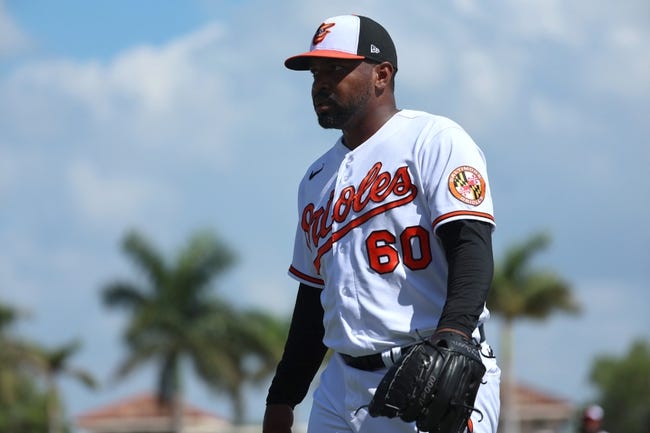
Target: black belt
375	361
387	358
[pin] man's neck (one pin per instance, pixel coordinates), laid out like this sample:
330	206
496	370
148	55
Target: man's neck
355	136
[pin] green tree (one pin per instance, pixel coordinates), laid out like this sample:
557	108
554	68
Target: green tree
26	412
22	403
15	353
175	316
54	364
252	344
521	291
624	388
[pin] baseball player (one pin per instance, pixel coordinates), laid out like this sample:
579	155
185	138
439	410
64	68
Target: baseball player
592	419
392	247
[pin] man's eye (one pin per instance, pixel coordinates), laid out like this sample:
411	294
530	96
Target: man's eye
333	68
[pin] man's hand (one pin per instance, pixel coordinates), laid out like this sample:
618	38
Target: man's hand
278	418
434	384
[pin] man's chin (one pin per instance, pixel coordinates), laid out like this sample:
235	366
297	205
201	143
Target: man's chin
329	122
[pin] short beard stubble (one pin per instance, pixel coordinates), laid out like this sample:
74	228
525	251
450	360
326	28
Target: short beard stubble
344	115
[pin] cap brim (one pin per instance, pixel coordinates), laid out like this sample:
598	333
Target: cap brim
301	62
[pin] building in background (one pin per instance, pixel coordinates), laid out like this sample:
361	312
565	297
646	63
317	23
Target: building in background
538	412
142	413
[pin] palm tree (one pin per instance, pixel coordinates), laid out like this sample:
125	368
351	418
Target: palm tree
520	291
22	402
8	316
255	346
55	363
175	317
14	354
20	359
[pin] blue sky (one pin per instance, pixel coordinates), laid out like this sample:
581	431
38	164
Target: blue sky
178	115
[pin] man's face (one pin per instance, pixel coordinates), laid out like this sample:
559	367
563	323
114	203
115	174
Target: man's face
340	91
591	426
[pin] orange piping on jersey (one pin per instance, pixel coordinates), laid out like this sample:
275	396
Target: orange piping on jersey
446	216
306	277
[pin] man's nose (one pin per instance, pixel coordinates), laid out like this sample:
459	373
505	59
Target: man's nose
321	83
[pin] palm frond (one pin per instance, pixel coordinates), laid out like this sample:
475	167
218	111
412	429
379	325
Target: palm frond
134	360
145	256
520	290
181	318
518	256
123	295
547	293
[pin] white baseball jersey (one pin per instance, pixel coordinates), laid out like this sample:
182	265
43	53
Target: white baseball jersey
366	229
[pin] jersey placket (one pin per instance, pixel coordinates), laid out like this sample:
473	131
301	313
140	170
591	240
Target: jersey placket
342	249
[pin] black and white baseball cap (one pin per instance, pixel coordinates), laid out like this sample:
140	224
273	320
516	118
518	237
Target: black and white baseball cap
347	37
593	413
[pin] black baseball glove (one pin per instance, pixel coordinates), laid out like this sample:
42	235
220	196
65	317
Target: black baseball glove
434	384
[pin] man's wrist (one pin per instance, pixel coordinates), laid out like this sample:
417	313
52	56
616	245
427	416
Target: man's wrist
455	331
452	330
278	417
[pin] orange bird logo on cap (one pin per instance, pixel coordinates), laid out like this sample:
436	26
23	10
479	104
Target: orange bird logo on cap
322	32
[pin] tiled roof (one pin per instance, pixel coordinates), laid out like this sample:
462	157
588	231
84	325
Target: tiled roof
533	403
528	395
142	409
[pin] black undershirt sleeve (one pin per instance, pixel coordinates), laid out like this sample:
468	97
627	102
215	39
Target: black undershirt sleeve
468	247
304	350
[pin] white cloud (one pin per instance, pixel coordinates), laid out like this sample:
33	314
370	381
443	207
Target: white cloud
490	83
467	7
146	97
8	170
112	197
160	78
608	45
621	65
555	117
12	38
548	20
423	64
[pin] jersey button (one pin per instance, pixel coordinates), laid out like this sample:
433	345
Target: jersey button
346	291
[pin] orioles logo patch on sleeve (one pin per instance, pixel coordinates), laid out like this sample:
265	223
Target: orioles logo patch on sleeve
467	185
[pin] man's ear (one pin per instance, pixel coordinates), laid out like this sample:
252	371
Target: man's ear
385	72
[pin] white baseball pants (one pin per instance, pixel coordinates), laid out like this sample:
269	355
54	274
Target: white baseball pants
341	399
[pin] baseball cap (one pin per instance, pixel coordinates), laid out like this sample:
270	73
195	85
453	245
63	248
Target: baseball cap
347	37
594	413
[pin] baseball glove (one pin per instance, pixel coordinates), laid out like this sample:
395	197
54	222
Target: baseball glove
434	384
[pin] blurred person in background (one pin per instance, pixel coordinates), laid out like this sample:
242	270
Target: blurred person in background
592	420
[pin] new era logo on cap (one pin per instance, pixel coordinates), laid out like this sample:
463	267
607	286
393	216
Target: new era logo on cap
348	37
